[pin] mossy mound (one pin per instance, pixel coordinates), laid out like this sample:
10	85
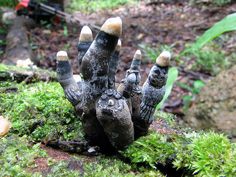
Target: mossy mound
200	154
39	111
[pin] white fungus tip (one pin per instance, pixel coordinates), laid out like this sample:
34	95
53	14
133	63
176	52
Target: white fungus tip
62	56
86	34
112	26
138	55
163	59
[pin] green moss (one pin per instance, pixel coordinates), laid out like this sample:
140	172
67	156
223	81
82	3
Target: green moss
40	111
203	154
17	155
61	169
100	166
151	149
167	117
212	155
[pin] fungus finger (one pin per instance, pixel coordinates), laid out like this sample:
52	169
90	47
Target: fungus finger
66	79
154	87
152	93
95	62
113	66
85	40
132	78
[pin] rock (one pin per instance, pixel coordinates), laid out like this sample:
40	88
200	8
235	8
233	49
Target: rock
215	108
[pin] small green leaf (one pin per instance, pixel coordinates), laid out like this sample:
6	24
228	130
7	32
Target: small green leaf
172	76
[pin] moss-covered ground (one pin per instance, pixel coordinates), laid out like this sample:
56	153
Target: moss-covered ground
39	111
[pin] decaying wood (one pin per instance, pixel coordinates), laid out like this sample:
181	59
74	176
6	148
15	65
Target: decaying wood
27	75
18	47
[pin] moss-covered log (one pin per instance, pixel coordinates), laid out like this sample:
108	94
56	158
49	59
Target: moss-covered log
12	73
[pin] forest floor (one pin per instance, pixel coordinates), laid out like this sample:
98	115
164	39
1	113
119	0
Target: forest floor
159	26
144	25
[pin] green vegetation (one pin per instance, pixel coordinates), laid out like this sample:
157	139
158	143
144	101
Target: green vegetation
151	53
202	154
95	5
210	61
102	167
213	2
40	111
227	24
17	159
172	77
194	89
208	56
16	155
221	2
8	3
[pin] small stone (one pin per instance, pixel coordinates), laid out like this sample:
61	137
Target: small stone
5	126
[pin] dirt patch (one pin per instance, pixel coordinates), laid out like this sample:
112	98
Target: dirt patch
42	162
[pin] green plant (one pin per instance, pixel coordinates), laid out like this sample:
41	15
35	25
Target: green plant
2	42
227	24
193	91
152	149
8	3
210	61
210	152
60	168
172	77
91	6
